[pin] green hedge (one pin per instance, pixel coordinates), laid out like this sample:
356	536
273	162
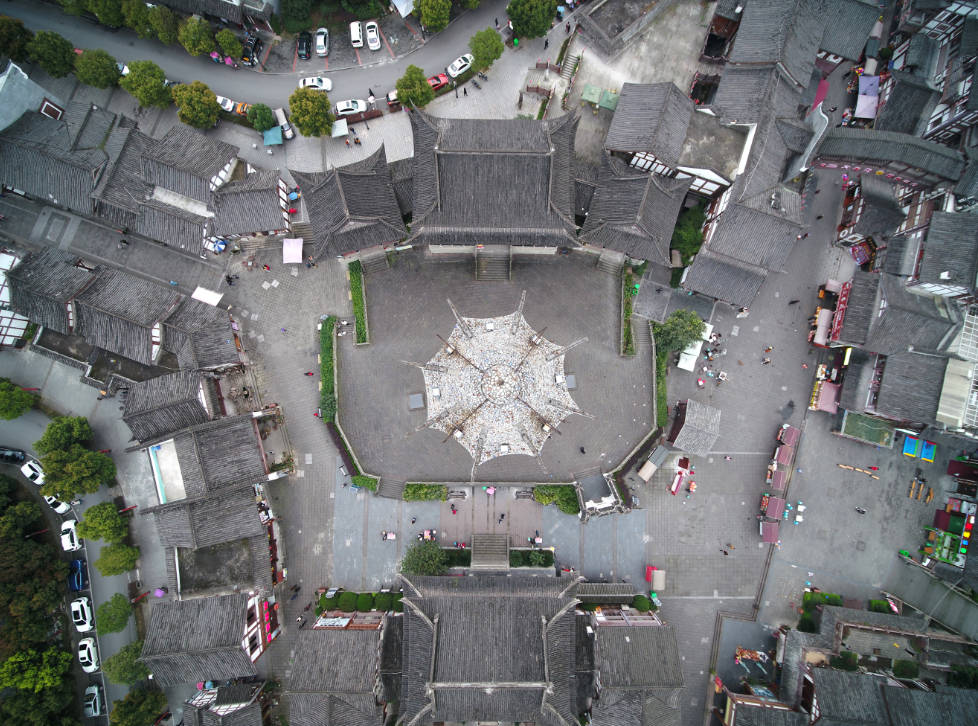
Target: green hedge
661	393
531	558
327	396
415	492
517	558
628	341
906	669
641	603
811	600
563	495
398	607
365	602
458	557
364	481
879	606
383	601
356	291
806	623
347	602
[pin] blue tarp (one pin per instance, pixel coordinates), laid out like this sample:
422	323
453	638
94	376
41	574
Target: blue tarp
273	136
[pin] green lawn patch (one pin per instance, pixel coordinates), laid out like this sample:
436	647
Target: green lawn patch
846	661
563	495
627	291
415	492
811	600
327	396
359	304
365	482
661	393
879	606
906	669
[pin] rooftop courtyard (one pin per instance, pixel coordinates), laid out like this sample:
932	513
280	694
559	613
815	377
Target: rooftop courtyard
508	397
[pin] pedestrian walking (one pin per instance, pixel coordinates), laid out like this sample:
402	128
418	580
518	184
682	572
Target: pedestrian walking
347	142
546	43
465	91
818	191
413	520
266	268
804	236
497	23
819	216
725	553
804	366
765	361
794	302
769	349
833	109
567	26
582	450
860	510
728	458
357	141
284	331
229	280
730	546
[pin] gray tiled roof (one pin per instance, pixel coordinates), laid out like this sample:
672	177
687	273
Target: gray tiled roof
757	233
41	285
882	212
951	250
634	212
849	697
197	640
650	117
743	91
911	387
317	670
201	336
900	255
221	9
117	312
352	207
250	715
225	517
909	707
787	32
861	309
638	657
922	54
700	429
724	278
164	404
493	181
184	161
54	161
250	205
847	26
762	715
605	592
219	455
855	386
882	147
909	105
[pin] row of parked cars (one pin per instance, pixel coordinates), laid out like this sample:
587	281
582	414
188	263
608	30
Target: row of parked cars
79	609
305	41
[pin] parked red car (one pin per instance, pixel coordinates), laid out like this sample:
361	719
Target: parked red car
438	82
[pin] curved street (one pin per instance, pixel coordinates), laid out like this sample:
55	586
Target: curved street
253	86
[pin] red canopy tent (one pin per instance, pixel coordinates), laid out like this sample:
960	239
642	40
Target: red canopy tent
775	507
769	531
778	479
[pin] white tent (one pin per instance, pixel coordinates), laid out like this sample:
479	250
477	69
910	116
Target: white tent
291	250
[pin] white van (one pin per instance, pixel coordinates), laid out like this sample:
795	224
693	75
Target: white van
356	34
287	131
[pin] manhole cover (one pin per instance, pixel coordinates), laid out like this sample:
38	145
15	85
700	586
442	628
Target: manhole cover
861	546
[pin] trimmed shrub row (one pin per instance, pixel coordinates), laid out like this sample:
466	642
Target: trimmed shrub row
415	492
361	602
364	481
327	397
563	495
531	558
359	307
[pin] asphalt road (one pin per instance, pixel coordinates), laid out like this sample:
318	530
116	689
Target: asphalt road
250	85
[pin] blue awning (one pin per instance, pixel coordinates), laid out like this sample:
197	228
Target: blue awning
273	136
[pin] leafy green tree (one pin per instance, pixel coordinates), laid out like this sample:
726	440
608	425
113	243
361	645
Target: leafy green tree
108	12
75	471
136	15
123	668
14	400
229	43
470	4
146	83
365	602
678	331
54	54
196	36
62	433
103	521
30	670
113	616
141	706
424	558
14	38
312	114
97	68
486	47
48	707
296	10
433	14
74	7
384	601
531	18
413	88
117	558
347	601
165	24
687	236
261	117
197	104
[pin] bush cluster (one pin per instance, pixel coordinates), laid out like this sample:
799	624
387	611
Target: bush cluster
415	492
641	603
359	308
327	396
365	482
563	495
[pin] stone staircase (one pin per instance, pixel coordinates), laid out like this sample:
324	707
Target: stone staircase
301	229
571	58
641	332
490	551
374	263
390	488
611	262
492	263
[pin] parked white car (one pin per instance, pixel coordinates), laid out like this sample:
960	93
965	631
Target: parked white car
373	35
88	655
319	83
322	42
460	65
350	107
57	505
33	471
69	536
81	614
226	103
94	702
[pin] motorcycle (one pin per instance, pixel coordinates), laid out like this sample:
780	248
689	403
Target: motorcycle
476	83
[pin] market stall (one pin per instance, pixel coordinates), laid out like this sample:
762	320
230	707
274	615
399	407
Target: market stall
789	435
770	531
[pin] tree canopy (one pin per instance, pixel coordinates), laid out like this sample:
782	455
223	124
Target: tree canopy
123	668
146	82
75	471
196	36
434	14
14	400
117	558
678	331
31	670
424	558
113	616
486	47
97	68
229	43
197	104
531	18
14	38
103	521
261	117
62	432
108	12
312	113
413	88
54	54
141	706
136	16
165	24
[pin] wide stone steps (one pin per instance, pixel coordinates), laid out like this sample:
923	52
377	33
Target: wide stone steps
390	488
374	263
641	332
490	551
491	268
612	264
